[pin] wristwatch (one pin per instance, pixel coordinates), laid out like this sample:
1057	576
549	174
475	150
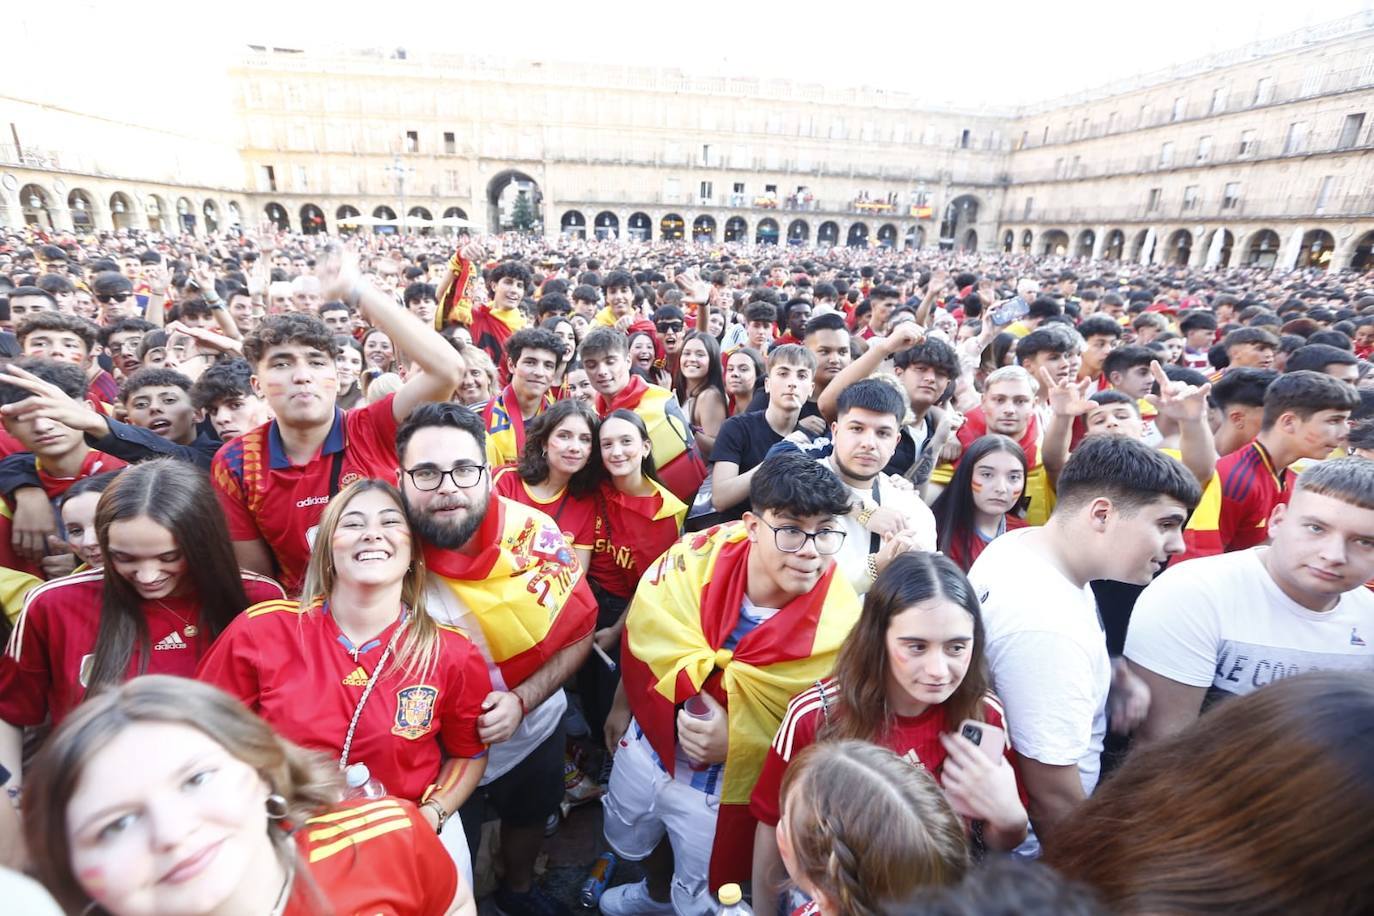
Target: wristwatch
866	514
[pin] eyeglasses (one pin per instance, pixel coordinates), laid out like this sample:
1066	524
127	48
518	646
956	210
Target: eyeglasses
465	476
791	539
669	327
114	297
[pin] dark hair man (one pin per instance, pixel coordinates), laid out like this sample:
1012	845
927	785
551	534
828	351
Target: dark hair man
533	356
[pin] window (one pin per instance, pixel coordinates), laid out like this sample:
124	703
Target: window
1111	122
1190	197
1264	90
671	189
412	141
706	154
837	129
1324	192
298	137
1073	167
1059	167
1030	206
267	178
673	153
1248	144
1230	195
1045	138
771	190
1350	130
705	192
1155	195
302	178
965	136
450	144
1204	149
1083	128
1312	80
1166	155
1145	111
1218	100
772	159
1025	138
739	187
1296	139
1180	108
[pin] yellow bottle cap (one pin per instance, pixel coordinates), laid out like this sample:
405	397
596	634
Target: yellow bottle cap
730	894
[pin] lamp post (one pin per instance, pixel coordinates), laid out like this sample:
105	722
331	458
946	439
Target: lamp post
401	172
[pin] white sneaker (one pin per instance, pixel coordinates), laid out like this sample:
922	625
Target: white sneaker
632	900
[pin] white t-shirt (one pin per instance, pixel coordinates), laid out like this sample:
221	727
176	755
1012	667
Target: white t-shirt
1047	654
853	556
1223	623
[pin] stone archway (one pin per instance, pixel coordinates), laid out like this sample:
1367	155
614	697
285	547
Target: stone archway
606	225
1054	243
671	228
82	208
1318	247
766	232
798	232
640	227
1083	247
887	236
1362	258
1263	249
312	220
122	215
36	204
704	228
277	215
573	225
857	236
736	229
960	214
1115	246
828	233
506	210
1180	248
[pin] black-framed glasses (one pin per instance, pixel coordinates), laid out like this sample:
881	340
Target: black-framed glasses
465	476
790	538
114	297
670	327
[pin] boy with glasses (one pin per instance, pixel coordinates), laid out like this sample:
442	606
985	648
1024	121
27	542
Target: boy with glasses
713	652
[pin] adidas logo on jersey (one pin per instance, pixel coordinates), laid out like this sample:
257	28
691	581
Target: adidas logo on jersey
357	679
172	640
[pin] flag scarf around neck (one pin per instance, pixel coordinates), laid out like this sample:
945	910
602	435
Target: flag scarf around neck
505	426
675	455
490	328
685	608
1039	493
525	589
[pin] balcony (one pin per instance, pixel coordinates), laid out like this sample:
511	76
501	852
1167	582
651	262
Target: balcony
1304	207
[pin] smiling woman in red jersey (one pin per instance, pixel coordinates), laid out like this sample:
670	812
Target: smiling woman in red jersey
168	588
165	797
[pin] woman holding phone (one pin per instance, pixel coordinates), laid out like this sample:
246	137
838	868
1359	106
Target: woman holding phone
910	677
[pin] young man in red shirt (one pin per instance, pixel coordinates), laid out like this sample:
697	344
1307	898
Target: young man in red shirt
882	301
1306	415
274	481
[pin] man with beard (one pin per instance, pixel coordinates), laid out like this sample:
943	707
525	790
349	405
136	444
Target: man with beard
864	436
503	574
1008	408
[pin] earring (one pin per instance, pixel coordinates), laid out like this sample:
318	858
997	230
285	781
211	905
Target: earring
276	807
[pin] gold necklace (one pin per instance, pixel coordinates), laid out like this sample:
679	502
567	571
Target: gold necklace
189	629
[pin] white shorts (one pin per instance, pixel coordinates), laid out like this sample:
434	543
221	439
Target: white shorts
643	803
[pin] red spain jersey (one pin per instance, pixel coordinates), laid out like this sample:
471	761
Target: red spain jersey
265	496
49	660
630	533
916	739
575	516
1235	507
372	857
299	672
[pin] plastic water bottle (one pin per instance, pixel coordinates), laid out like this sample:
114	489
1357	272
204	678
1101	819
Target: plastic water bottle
732	902
595	885
361	783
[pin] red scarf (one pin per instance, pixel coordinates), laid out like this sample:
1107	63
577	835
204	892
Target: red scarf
628	397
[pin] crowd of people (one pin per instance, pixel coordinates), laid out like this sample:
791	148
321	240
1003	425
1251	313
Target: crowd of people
873	581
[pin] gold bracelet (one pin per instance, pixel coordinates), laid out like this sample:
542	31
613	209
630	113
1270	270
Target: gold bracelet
873	566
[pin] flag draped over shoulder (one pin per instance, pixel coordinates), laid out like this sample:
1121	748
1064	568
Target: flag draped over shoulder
490	328
525	589
506	426
684	610
675	454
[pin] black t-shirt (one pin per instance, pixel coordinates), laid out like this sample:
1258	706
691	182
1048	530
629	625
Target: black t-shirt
744	440
760	403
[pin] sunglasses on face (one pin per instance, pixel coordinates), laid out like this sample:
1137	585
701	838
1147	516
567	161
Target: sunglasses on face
669	327
114	297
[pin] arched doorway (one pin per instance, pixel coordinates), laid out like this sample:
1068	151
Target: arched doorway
970	242
1054	243
514	202
798	232
736	229
887	236
858	236
1008	241
1363	258
186	215
121	210
828	233
916	238
573	225
670	228
1116	244
960	214
211	211
1138	244
704	229
158	214
389	215
312	220
1223	257
235	213
35	204
1318	246
420	220
766	232
1083	247
640	227
1180	249
606	225
82	208
276	214
1027	240
1263	250
343	215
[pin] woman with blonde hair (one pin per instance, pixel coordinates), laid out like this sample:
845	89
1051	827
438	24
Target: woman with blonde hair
862	830
165	796
480	381
357	668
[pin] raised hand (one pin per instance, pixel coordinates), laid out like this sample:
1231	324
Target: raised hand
1068	398
1179	401
904	336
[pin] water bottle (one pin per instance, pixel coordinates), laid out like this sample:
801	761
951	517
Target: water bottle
732	902
595	885
361	783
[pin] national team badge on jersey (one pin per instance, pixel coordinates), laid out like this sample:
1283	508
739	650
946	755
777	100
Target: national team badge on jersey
414	711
